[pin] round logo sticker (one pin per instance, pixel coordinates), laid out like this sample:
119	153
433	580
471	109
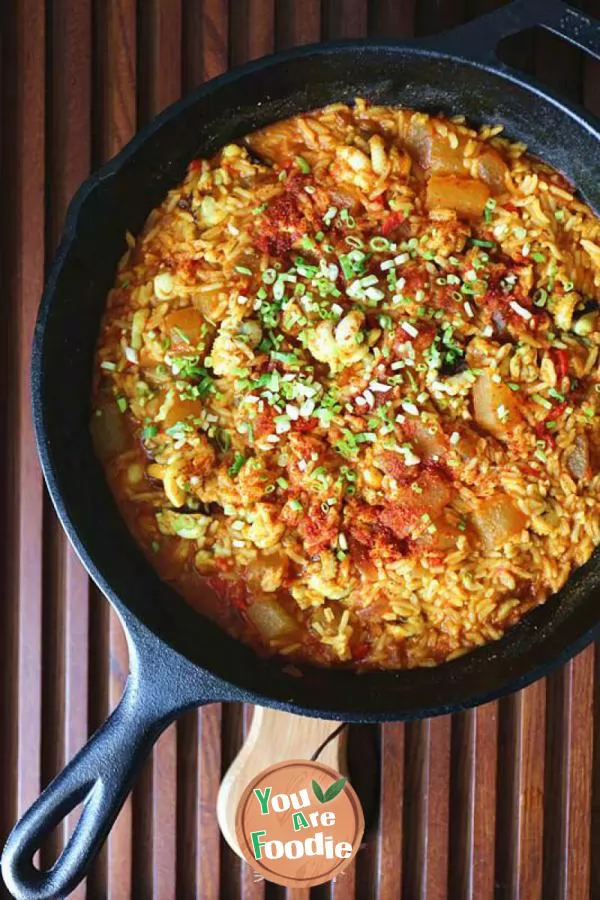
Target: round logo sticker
299	823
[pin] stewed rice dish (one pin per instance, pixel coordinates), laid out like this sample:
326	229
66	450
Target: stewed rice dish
346	386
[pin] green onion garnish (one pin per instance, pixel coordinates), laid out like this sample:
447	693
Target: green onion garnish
238	462
354	241
302	165
379	243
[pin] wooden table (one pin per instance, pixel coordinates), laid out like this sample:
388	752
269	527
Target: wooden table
501	801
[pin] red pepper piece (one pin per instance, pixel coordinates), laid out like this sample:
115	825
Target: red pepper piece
560	358
391	222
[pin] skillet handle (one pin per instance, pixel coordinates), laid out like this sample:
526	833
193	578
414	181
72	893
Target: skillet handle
479	39
101	775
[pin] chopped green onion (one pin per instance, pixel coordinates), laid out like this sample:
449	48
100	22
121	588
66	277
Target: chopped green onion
150	431
488	209
181	335
379	243
122	403
354	241
346	267
269	276
348	220
302	165
243	270
541	401
238	462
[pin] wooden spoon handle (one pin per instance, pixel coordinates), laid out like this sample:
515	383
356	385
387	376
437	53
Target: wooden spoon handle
275	736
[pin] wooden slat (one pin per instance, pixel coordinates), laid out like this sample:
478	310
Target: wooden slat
66	589
159	71
473	808
252	887
25	290
115	23
235	723
389	842
388	18
344	19
205	40
297	23
252	26
159	56
569	788
521	755
426	811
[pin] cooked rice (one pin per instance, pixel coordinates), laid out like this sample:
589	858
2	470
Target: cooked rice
348	375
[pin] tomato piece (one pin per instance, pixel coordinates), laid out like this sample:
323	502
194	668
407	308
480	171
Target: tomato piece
391	222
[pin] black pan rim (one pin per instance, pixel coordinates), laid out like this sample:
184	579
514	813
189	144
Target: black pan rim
109	171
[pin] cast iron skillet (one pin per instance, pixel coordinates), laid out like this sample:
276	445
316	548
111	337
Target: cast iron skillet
177	658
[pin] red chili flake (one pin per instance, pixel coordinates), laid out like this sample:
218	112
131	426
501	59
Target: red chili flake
391	222
360	651
195	165
276	244
282	223
318	529
263	423
560	358
303	425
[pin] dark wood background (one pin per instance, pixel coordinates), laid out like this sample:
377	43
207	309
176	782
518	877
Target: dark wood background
503	801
